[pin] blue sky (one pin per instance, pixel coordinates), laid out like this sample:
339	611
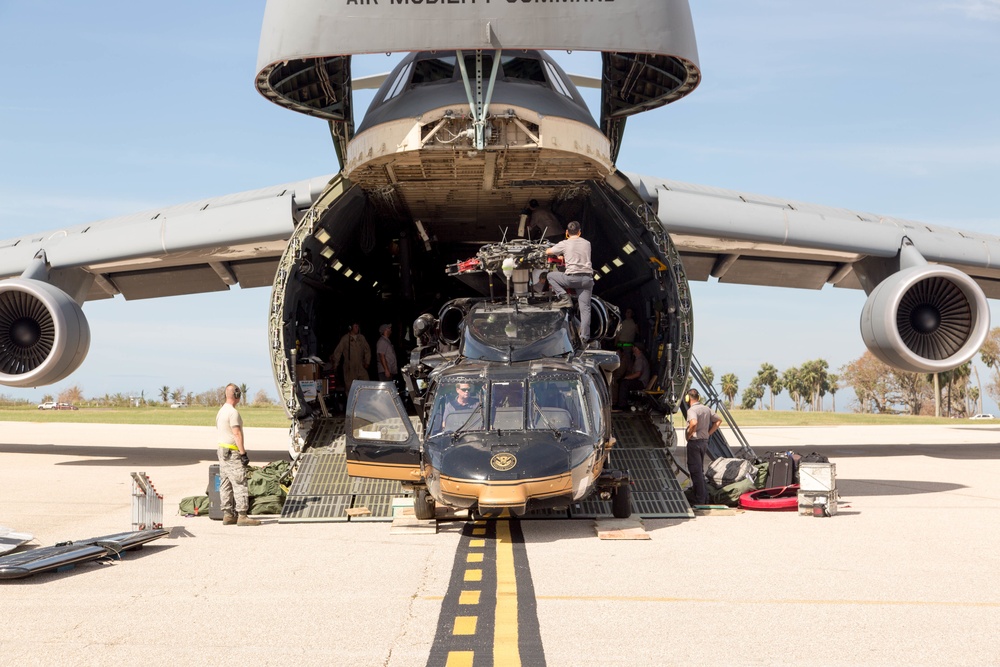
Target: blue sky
113	107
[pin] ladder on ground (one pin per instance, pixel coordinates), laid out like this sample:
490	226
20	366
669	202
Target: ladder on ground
713	400
147	504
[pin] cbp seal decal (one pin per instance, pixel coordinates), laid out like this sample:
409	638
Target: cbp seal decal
503	461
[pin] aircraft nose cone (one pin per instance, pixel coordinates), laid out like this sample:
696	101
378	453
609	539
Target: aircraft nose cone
925	319
25	332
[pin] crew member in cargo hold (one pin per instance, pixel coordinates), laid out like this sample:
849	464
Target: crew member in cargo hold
354	351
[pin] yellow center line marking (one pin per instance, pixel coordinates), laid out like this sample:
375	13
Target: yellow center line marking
477	544
473	575
465	625
469	597
474	558
460	659
505	651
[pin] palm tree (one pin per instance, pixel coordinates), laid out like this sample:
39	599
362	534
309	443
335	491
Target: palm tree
730	386
164	393
243	392
769	377
834	381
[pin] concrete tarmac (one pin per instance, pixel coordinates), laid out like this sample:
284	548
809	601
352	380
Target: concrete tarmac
906	574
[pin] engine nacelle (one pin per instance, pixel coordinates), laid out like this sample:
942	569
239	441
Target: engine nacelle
926	319
44	335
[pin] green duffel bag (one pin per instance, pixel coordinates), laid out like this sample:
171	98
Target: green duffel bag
194	506
267	481
267	504
761	477
729	494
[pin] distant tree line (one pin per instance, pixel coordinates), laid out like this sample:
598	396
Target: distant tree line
165	396
807	385
878	388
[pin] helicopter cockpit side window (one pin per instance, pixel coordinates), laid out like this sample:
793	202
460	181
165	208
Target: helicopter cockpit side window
594	406
374	418
558	404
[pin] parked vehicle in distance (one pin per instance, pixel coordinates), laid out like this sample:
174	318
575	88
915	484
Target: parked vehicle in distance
982	416
178	405
47	405
66	406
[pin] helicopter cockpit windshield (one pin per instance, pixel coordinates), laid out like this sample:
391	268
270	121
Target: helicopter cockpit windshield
548	403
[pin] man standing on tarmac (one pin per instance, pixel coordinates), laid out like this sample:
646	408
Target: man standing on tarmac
579	275
233	460
702	423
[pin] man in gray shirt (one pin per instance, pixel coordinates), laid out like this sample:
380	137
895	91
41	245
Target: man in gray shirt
386	354
579	275
702	423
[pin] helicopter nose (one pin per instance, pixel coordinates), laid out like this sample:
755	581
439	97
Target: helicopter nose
495	499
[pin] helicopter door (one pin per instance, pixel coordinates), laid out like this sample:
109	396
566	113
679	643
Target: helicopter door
381	442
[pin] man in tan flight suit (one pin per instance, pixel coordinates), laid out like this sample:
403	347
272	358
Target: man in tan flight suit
233	460
354	351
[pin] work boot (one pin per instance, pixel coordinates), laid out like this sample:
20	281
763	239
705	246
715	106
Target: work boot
563	302
228	519
244	520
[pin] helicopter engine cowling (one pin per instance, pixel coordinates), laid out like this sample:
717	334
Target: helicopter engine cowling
925	319
450	319
44	335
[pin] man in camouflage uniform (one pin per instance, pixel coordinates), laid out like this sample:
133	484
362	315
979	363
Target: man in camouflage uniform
354	351
233	460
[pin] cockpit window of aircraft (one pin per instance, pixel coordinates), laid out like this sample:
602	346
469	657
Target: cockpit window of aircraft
522	69
556	80
507	406
431	70
557	404
400	83
458	405
504	327
376	418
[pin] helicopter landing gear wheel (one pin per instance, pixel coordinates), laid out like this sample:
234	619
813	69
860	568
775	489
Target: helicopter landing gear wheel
423	505
621	502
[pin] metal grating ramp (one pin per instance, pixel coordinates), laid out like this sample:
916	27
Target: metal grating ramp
322	490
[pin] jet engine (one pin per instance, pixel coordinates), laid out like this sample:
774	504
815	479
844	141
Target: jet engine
925	319
44	335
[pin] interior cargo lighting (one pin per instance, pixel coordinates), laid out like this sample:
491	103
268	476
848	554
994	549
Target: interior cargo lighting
628	248
336	267
327	252
606	268
322	235
617	262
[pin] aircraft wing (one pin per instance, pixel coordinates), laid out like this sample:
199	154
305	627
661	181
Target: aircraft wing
751	239
200	246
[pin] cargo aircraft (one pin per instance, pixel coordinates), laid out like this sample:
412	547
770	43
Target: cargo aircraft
476	121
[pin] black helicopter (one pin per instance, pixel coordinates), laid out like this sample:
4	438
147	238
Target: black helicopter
514	408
